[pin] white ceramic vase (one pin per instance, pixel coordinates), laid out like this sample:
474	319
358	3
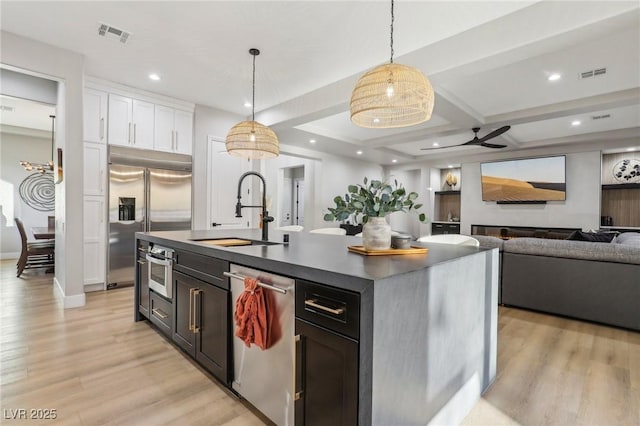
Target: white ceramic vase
376	234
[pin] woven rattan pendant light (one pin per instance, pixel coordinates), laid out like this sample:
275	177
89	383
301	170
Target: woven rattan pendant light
391	95
250	139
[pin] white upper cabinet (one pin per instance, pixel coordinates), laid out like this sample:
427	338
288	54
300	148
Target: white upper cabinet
120	120
130	122
143	116
95	116
173	130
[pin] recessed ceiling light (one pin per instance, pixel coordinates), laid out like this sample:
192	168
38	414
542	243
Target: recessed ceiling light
429	189
312	141
154	77
436	144
359	152
576	122
450	166
554	77
394	161
247	104
631	149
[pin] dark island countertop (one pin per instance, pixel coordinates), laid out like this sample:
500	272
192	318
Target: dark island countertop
315	257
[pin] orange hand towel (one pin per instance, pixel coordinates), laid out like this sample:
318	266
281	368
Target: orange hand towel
252	315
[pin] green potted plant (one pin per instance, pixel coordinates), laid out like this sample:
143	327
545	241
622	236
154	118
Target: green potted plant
370	203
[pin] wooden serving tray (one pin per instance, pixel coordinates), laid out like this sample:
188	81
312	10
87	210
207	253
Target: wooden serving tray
412	250
227	242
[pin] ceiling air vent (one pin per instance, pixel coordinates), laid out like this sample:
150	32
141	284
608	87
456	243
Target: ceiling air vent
593	73
6	108
600	117
108	31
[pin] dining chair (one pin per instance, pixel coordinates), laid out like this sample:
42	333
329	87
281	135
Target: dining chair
290	228
462	240
329	231
34	254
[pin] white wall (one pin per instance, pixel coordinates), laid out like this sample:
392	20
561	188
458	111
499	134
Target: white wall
214	122
13	149
581	209
412	182
325	176
67	68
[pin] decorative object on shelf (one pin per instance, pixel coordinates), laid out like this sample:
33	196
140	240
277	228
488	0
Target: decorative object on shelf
42	167
372	202
451	180
38	192
250	139
627	171
391	95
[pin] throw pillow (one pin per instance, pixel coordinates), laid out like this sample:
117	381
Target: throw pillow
628	238
594	237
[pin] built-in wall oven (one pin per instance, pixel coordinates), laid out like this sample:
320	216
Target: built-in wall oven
160	261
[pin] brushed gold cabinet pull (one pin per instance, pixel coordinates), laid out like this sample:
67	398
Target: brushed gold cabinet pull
190	309
157	312
196	295
314	304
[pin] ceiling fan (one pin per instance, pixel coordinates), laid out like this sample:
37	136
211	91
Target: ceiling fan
479	141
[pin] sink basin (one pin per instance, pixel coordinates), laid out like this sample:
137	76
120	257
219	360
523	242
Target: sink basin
233	242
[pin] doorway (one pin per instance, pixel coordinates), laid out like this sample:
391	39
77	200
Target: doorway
291	208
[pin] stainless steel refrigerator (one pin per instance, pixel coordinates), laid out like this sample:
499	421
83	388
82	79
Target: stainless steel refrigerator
148	191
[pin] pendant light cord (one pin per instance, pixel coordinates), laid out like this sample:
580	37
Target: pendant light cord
392	18
253	96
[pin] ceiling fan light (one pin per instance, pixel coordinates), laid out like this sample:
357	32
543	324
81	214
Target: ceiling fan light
392	95
250	139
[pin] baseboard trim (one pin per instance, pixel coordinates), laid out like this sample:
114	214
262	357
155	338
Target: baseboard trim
88	288
10	255
460	404
74	301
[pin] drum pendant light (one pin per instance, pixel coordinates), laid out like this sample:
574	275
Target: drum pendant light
391	95
250	139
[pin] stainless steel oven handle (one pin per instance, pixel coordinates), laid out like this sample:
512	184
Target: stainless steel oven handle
165	262
260	284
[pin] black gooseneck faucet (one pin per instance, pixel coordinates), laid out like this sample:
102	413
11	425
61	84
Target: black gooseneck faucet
265	214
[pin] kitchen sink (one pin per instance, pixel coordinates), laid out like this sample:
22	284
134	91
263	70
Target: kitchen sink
233	242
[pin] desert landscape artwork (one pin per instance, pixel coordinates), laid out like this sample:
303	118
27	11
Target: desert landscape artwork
535	179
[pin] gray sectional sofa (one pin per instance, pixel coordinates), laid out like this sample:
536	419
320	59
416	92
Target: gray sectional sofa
594	281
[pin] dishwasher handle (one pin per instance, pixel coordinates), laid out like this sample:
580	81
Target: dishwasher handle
260	284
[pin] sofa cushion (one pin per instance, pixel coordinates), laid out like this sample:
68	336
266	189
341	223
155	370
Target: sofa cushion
600	237
604	252
628	238
489	242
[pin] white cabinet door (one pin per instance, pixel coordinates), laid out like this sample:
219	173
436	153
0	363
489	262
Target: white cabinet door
120	120
164	132
95	116
183	132
94	240
143	119
95	164
225	171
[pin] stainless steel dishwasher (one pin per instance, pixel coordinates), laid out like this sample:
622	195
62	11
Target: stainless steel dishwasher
265	378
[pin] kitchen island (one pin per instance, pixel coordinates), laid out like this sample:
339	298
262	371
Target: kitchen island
419	331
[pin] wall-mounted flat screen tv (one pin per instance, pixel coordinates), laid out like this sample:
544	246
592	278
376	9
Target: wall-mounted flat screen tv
526	180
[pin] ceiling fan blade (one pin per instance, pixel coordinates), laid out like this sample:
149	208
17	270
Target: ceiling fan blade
492	145
495	133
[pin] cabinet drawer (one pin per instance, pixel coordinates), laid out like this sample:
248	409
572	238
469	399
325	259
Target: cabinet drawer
206	268
335	309
160	312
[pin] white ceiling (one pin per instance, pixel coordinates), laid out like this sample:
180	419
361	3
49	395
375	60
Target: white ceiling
488	63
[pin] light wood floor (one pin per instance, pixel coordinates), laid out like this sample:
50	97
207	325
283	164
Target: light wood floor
95	366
